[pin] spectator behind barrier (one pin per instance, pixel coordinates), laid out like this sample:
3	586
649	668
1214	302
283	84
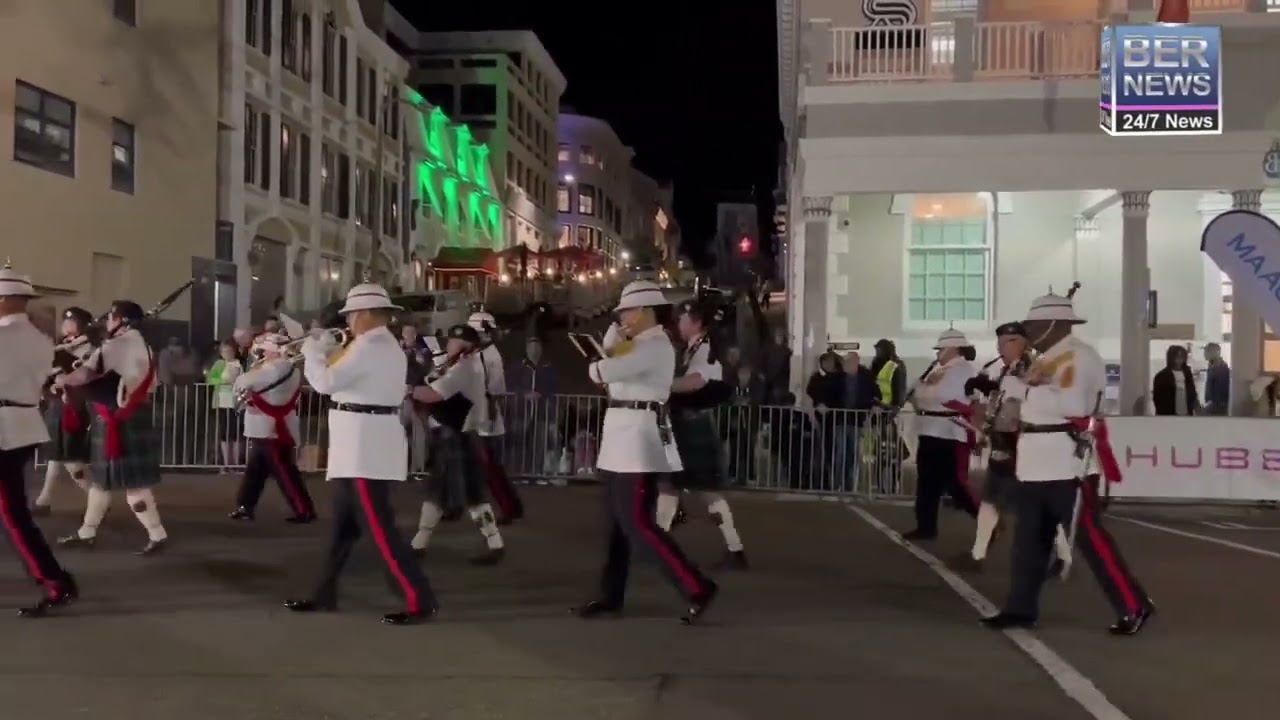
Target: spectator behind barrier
1173	389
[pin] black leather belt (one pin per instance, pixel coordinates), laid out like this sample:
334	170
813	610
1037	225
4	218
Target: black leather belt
14	404
365	409
650	405
938	413
1054	428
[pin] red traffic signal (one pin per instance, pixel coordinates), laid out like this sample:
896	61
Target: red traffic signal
745	246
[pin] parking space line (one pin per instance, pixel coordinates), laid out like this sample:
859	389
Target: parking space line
1073	683
1197	536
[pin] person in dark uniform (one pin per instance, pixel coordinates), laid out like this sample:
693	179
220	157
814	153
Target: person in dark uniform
119	378
66	415
367	451
271	390
636	451
26	354
698	388
456	397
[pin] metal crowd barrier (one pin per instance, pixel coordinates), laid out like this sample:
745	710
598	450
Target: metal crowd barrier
555	438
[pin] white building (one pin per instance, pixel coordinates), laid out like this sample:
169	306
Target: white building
312	143
593	189
952	180
506	88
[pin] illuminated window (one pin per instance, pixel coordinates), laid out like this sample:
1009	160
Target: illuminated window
948	258
287	161
562	199
586	155
586	199
44	130
328	183
566	155
563	239
122	156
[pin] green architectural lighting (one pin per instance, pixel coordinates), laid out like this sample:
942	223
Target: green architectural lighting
454	180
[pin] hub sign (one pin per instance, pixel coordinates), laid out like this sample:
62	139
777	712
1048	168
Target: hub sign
1161	80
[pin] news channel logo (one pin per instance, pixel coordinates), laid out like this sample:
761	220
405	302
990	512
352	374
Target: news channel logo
1161	80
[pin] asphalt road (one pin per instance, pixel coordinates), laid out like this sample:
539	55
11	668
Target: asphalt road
833	617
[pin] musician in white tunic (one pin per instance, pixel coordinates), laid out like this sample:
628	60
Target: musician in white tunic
271	390
636	451
1060	438
945	434
456	404
26	354
506	498
119	379
367	450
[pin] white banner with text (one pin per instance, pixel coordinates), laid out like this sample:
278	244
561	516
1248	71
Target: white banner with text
1219	458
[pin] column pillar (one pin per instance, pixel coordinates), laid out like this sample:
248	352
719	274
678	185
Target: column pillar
1135	337
811	260
1246	327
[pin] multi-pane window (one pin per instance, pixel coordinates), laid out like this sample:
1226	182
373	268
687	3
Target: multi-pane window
562	199
252	25
123	156
44	129
586	199
328	183
948	258
288	161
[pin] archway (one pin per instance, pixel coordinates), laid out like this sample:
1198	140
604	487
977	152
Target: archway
268	265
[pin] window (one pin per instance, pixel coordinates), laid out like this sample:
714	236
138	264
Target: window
360	111
250	145
586	199
439	95
122	156
562	240
266	27
287	156
390	207
328	183
264	150
342	69
304	168
344	186
44	130
479	62
586	155
252	25
478	100
364	196
564	154
288	36
371	89
948	258
326	62
126	11
304	39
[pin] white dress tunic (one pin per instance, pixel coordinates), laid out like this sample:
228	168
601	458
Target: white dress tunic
1077	377
370	372
28	355
643	372
278	383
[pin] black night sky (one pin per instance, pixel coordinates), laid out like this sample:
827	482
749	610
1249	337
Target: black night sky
691	86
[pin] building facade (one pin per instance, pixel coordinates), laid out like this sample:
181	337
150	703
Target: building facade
649	224
593	189
110	189
951	179
506	88
312	159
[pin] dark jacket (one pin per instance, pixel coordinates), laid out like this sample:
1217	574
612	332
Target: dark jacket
827	389
1217	388
525	377
1164	387
861	392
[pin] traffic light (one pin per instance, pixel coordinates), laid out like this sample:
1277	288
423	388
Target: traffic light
746	247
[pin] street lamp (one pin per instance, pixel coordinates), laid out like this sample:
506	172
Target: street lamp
626	255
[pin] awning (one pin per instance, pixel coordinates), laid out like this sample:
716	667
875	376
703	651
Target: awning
459	259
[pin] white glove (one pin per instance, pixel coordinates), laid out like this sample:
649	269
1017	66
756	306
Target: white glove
319	345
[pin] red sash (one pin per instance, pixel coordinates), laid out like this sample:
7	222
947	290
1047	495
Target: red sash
278	413
124	412
1107	462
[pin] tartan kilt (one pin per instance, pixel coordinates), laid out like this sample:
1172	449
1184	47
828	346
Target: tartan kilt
700	452
456	480
139	463
64	446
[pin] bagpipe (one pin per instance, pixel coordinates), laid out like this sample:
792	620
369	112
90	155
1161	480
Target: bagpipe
452	411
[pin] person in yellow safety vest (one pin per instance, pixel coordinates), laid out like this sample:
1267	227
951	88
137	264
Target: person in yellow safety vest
890	374
891	383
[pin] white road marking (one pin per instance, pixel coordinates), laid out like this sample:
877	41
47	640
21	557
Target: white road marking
1197	536
1073	682
1224	525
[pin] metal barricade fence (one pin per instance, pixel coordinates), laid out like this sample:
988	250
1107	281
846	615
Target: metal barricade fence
555	438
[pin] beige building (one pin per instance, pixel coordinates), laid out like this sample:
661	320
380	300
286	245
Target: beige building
110	190
594	185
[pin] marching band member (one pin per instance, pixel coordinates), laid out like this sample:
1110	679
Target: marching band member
491	432
124	445
636	452
1064	389
459	411
26	354
66	415
1002	383
694	393
367	450
271	391
945	435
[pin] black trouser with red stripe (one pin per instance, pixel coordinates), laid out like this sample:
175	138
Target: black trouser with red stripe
269	457
501	490
21	529
361	506
630	525
942	467
1042	507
